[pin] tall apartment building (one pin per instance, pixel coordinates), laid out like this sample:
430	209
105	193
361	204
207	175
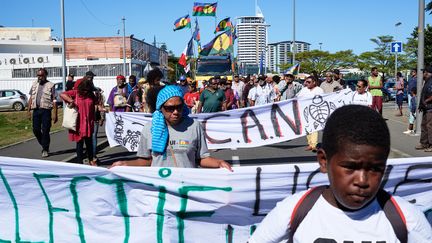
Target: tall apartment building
281	53
251	42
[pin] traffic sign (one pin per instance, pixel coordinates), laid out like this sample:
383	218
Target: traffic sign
396	47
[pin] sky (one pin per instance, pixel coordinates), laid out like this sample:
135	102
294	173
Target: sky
337	24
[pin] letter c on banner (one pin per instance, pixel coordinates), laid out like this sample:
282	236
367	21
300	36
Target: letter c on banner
210	139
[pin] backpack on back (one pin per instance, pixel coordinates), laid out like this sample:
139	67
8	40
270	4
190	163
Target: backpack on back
390	207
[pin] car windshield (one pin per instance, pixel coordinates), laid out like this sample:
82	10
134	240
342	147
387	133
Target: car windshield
214	68
19	92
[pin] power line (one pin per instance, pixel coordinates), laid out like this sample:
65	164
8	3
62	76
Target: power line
95	17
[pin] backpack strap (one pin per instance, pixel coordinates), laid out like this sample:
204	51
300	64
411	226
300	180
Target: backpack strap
394	214
302	208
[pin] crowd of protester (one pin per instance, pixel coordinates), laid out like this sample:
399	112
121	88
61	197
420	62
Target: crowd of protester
203	96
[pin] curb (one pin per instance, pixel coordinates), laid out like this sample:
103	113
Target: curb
101	145
26	140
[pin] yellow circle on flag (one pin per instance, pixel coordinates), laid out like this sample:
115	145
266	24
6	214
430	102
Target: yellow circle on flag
223	43
208	9
183	22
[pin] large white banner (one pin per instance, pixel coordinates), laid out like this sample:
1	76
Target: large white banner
247	127
42	201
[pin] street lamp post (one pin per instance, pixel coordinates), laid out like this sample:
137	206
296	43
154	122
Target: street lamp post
63	45
294	44
420	61
124	47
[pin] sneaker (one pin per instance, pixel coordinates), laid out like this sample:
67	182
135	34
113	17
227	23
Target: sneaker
420	146
44	154
428	149
409	131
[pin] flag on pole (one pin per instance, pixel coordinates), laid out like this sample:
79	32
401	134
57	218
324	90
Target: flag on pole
204	9
224	24
261	66
221	44
183	22
196	35
188	51
187	68
234	33
294	70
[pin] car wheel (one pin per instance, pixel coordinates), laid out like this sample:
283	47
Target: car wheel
18	106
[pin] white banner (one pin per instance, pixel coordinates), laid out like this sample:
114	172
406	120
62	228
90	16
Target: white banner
241	128
42	201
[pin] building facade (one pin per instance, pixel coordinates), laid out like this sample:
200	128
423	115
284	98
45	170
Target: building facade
281	53
24	50
251	42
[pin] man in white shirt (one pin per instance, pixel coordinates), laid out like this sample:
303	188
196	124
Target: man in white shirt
310	90
263	93
361	96
238	87
330	85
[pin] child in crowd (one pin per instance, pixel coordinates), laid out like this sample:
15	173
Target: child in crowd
412	109
352	208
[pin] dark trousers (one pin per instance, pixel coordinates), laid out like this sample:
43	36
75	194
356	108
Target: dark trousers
426	129
42	126
80	149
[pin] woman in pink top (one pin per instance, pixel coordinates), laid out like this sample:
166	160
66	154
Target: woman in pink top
399	86
85	101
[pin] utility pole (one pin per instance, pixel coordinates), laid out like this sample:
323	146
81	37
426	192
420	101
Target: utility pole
294	43
124	47
63	45
420	61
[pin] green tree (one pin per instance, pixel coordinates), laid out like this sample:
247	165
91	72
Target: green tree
323	61
429	7
381	57
412	43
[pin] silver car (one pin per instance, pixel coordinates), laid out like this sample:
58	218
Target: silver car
13	99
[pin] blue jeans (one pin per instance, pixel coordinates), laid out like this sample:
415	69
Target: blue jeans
42	126
94	137
411	115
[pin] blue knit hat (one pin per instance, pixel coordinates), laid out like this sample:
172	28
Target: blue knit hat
159	128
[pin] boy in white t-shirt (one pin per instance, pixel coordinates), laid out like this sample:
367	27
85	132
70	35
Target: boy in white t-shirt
353	154
361	96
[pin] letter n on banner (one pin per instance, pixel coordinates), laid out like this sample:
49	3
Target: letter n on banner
295	126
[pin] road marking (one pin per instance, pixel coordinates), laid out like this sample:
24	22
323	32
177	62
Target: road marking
235	161
397	151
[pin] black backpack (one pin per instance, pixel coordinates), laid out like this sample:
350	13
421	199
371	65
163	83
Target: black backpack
390	207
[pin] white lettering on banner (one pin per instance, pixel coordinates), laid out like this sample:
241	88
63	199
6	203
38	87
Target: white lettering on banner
241	128
42	201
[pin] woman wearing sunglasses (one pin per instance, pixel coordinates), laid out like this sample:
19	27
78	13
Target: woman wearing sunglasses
173	139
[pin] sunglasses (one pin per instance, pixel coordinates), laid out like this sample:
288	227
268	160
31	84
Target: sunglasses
172	108
358	86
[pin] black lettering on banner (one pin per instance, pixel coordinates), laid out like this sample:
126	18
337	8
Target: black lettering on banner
257	192
310	177
26	60
40	60
295	179
324	240
229	234
12	61
245	127
406	180
210	139
294	125
387	172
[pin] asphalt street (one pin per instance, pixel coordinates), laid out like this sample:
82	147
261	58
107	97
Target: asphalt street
402	146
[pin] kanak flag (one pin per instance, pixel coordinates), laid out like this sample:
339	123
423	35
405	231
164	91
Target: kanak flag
188	51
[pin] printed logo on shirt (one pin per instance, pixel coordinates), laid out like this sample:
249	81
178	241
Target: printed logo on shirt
183	143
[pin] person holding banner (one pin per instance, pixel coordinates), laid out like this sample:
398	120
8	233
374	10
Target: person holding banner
310	90
173	139
352	208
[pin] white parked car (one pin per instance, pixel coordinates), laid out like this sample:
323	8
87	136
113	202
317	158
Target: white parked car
13	99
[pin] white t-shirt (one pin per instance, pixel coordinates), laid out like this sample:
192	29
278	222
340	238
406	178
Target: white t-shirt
263	95
362	99
306	92
325	221
238	88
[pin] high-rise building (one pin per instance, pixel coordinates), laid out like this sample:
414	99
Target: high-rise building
251	42
281	53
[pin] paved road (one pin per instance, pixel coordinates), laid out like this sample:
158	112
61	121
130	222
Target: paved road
286	152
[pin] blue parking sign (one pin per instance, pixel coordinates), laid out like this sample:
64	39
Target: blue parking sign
396	47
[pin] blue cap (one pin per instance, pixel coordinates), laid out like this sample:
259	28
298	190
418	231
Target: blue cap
182	77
